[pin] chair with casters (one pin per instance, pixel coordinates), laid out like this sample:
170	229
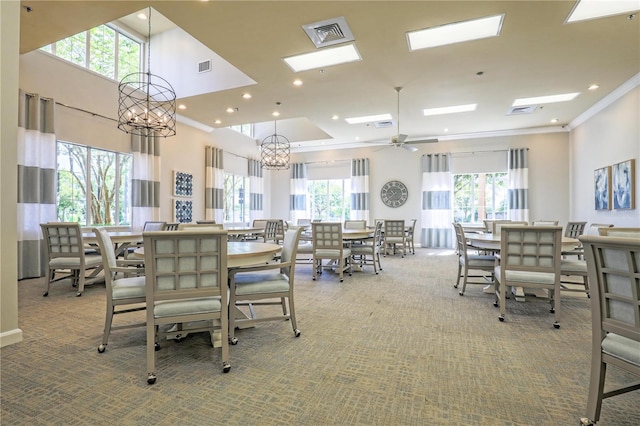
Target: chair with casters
394	236
65	253
574	230
205	222
411	229
274	231
488	224
614	274
328	244
368	253
620	232
529	257
125	285
467	261
199	226
355	224
171	226
545	223
498	225
262	285
186	283
153	226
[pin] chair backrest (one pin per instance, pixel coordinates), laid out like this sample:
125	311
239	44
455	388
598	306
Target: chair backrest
498	225
411	229
185	265
488	223
303	222
620	232
62	239
274	230
327	235
531	248
613	266
393	228
461	242
594	228
290	250
171	226
259	223
377	234
153	226
545	223
355	224
574	229
206	222
199	226
106	250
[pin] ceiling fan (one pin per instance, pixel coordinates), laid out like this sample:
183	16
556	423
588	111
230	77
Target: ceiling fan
399	140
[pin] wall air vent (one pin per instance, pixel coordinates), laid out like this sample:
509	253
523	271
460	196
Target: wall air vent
383	124
204	66
519	110
329	32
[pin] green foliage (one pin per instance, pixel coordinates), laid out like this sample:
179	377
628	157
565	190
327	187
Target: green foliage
479	196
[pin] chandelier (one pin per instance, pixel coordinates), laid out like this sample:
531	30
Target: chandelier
147	102
275	150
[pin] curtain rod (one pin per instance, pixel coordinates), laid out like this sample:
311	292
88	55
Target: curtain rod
95	114
481	152
326	162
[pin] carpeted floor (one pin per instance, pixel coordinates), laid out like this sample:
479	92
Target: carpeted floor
399	348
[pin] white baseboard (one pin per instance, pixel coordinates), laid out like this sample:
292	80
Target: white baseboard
10	337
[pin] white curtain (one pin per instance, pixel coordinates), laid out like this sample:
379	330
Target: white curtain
436	201
518	167
360	189
256	188
145	182
36	180
298	192
214	185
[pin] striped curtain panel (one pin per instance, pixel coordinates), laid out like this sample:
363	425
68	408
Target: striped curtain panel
436	201
214	185
518	167
256	191
298	192
36	180
360	189
145	182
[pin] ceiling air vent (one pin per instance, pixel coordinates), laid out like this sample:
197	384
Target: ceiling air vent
383	124
204	66
329	32
518	110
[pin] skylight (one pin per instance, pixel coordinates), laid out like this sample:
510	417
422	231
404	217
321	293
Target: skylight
545	99
593	9
450	109
368	118
323	58
455	33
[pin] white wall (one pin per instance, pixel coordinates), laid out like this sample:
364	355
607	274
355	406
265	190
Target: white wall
611	136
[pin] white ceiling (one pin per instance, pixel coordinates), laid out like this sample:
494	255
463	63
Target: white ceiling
536	54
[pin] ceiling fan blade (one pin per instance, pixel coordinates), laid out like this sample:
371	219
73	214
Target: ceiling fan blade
432	140
399	138
409	148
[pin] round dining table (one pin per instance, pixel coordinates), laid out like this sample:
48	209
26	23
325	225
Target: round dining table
492	242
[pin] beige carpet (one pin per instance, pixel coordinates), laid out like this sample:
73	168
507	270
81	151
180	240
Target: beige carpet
399	348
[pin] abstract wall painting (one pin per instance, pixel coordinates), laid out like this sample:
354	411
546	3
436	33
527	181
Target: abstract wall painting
623	185
182	184
602	188
183	211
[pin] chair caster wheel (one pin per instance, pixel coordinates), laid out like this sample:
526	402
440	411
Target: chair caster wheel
78	294
296	333
586	422
178	338
553	311
495	304
101	349
156	347
233	341
501	318
45	294
151	379
461	293
226	367
556	325
341	280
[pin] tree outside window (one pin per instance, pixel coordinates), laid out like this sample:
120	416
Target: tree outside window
329	200
479	196
236	200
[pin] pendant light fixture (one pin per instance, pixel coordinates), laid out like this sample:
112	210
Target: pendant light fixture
275	151
147	102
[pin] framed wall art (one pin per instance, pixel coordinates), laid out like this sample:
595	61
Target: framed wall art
182	211
182	184
602	188
623	185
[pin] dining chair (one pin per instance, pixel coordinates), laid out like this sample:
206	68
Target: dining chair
368	252
199	226
65	254
498	225
125	285
488	224
545	223
614	272
628	232
468	260
410	233
274	231
264	285
355	224
394	236
574	230
328	244
529	257
153	226
205	222
186	282
173	226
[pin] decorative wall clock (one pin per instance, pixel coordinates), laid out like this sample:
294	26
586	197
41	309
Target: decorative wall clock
394	193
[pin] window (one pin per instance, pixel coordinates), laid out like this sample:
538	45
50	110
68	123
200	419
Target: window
94	185
245	129
236	205
479	196
329	200
103	49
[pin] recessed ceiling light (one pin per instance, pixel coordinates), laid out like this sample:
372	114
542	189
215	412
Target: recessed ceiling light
323	58
357	138
246	95
230	110
593	9
545	99
368	118
554	120
217	122
335	117
450	109
455	33
142	16
594	87
297	82
275	113
446	130
182	106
